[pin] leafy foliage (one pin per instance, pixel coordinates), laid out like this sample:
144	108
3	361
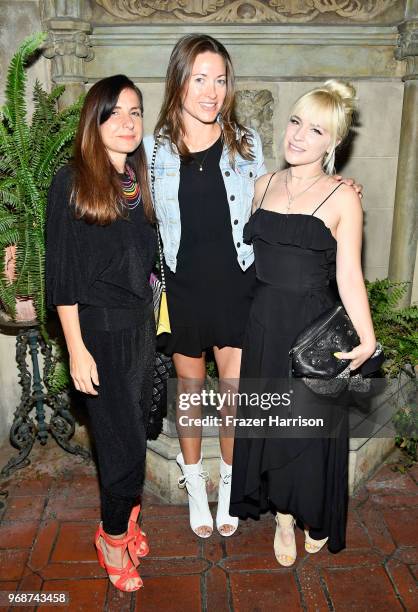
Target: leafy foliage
59	376
406	425
30	155
396	328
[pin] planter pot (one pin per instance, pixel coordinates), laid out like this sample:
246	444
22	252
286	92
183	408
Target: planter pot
25	309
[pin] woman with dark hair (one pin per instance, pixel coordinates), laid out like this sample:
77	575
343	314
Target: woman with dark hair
100	250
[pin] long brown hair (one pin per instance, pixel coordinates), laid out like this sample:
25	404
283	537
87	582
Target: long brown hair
170	121
97	190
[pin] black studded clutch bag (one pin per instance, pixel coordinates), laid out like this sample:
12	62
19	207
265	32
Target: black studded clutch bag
312	353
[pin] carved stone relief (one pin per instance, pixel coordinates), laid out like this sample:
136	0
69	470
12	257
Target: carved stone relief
68	49
241	11
68	43
408	47
255	109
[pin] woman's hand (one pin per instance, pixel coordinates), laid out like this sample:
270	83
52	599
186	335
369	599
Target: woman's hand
83	371
351	183
358	355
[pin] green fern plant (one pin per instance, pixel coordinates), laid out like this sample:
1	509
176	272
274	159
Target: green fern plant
30	154
396	328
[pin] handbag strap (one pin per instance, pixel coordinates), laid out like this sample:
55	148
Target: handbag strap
160	247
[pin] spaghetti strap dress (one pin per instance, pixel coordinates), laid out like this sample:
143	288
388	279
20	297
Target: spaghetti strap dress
295	257
209	296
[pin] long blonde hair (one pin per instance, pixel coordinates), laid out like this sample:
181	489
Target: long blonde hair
334	105
170	121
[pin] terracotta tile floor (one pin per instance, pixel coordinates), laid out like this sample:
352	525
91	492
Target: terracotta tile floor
48	523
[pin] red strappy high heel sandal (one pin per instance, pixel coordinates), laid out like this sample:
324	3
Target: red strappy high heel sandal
129	571
141	542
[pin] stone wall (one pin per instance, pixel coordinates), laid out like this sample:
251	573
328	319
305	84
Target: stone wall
280	59
19	19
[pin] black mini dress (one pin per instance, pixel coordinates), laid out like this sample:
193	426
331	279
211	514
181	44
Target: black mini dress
208	296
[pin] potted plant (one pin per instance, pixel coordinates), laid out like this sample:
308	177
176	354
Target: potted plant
31	151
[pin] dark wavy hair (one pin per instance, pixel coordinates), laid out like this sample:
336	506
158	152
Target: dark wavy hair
170	122
97	190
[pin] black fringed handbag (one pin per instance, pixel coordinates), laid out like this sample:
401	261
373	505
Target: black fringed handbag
163	364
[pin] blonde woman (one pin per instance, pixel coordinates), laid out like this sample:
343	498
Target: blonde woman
306	231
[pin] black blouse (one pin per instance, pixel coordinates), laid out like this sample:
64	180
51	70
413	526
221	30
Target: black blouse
91	265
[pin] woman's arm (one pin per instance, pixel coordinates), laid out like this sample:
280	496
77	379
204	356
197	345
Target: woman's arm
350	276
66	280
83	368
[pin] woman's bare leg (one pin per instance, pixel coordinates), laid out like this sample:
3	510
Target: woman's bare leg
191	374
228	360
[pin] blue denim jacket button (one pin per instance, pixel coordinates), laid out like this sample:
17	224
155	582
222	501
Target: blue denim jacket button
235	221
227	173
232	198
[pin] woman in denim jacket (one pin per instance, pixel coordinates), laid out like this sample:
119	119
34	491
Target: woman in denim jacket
205	167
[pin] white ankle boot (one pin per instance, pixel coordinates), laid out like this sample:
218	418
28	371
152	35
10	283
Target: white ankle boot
223	518
194	479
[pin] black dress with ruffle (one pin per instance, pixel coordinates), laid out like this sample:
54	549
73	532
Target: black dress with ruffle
307	477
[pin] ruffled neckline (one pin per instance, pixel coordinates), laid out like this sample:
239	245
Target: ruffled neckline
298	229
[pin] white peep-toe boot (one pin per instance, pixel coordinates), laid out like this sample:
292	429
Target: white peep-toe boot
223	518
194	479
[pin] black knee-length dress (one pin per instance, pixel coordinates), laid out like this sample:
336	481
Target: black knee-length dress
307	477
105	270
208	296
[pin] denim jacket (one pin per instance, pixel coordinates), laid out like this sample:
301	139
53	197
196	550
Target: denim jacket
239	184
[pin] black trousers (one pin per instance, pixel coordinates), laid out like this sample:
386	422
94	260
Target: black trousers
125	354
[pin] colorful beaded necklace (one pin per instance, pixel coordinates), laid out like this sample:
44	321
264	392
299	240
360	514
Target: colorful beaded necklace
130	188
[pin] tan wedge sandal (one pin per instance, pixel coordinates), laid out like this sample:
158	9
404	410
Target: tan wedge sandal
313	546
285	553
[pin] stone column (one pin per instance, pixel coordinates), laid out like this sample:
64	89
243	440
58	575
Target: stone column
404	231
67	46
